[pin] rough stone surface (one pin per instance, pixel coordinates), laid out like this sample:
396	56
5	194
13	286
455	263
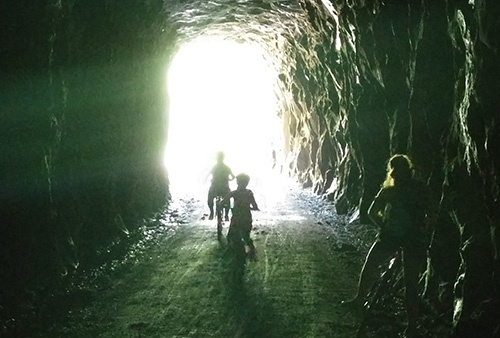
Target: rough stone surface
359	81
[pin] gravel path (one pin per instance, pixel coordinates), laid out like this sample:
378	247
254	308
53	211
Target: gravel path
308	261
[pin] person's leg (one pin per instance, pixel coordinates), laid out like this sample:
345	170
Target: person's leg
378	254
210	202
249	242
234	233
231	234
414	259
224	193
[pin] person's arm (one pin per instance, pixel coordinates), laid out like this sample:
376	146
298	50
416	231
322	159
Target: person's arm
376	208
210	174
227	199
253	204
231	175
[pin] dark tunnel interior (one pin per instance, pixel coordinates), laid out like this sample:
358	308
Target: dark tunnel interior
85	122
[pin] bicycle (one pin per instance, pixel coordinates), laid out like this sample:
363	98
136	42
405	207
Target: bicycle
219	208
218	215
236	243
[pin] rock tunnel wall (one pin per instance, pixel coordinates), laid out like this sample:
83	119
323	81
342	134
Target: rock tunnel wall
417	78
83	129
82	136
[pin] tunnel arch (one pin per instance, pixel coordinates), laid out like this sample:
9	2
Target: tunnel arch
291	41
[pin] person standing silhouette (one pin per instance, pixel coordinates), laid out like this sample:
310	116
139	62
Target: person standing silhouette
404	211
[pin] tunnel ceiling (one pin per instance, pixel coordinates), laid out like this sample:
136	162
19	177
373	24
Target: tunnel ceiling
263	22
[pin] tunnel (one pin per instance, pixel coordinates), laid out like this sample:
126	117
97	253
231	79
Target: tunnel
88	113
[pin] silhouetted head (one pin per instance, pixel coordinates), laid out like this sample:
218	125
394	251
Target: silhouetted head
220	156
399	169
242	180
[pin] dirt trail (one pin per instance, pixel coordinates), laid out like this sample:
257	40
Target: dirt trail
180	287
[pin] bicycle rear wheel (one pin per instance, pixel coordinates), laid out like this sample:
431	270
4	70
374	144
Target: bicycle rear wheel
218	216
236	248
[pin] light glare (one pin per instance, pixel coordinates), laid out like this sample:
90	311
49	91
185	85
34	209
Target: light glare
222	98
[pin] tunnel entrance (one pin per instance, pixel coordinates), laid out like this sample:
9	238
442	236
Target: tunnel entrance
223	97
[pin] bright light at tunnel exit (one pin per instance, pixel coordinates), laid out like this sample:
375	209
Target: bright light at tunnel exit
222	98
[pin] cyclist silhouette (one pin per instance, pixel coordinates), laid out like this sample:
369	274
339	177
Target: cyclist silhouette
241	220
221	175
